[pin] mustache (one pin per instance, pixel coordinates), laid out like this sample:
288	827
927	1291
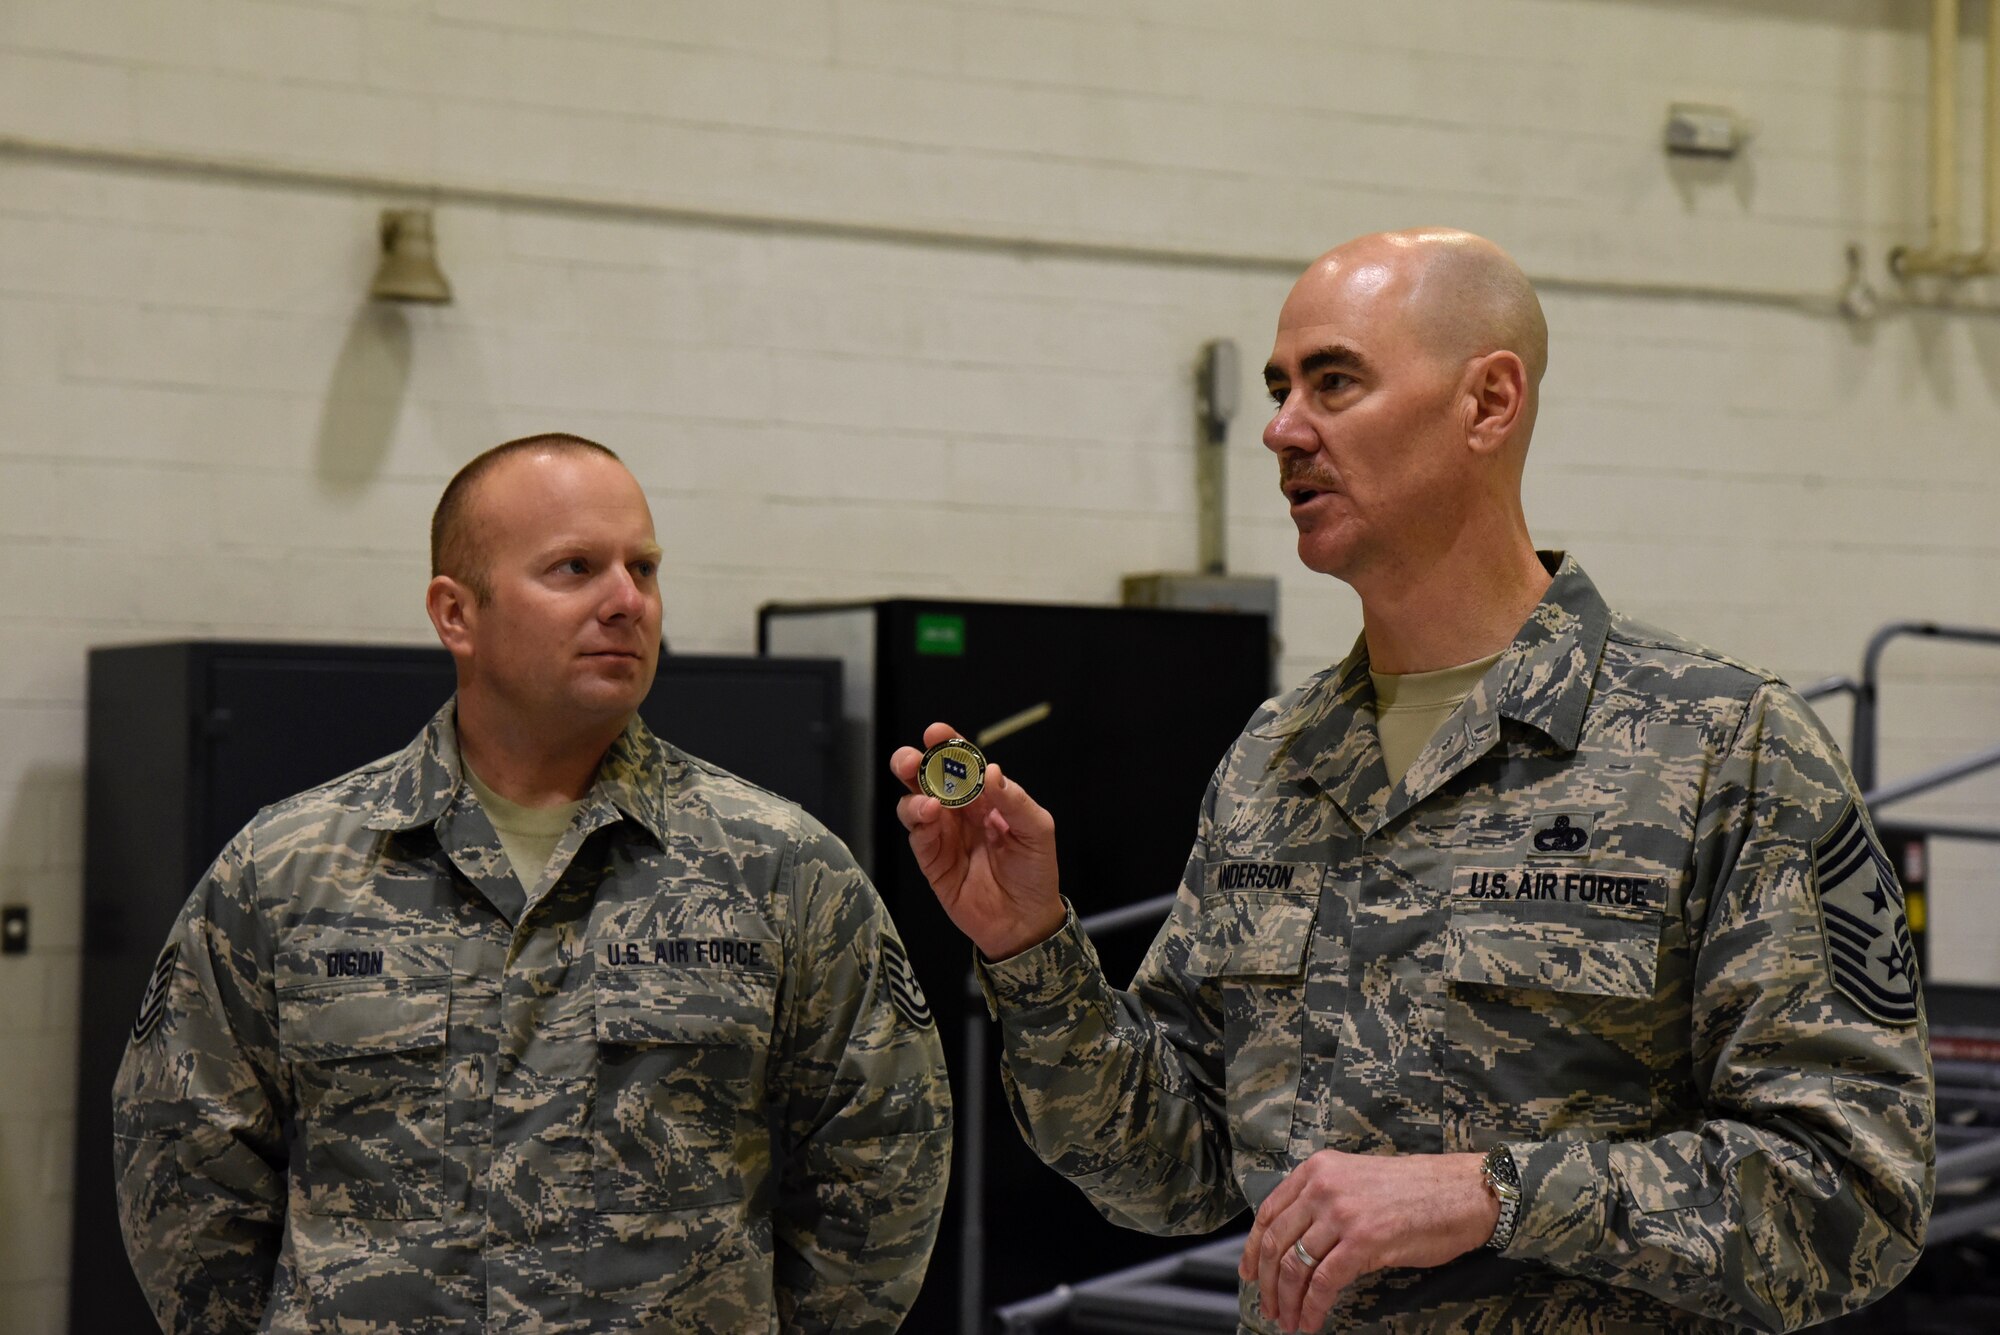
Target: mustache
1302	474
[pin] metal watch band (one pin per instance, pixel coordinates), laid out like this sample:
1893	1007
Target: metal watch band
1503	1179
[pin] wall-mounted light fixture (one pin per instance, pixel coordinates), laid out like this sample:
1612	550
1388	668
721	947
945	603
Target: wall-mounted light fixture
409	269
1694	130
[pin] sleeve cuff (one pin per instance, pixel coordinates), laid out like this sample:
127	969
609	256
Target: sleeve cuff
1561	1190
1042	975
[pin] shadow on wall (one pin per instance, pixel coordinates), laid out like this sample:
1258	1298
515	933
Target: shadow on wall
22	837
1986	351
364	399
40	996
1933	370
1694	176
43	834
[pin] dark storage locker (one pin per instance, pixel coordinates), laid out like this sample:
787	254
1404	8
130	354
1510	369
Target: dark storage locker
188	740
1141	705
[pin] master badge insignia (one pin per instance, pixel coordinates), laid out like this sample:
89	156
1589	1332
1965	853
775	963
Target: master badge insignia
1868	938
1568	833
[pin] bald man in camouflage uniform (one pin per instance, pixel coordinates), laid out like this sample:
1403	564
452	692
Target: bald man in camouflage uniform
670	1071
1598	1014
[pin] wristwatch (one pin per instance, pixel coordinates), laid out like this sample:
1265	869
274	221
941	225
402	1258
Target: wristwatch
1503	1179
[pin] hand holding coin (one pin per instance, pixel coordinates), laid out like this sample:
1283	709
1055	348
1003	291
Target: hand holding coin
987	849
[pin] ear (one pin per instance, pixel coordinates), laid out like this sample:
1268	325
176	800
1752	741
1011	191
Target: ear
454	614
1496	395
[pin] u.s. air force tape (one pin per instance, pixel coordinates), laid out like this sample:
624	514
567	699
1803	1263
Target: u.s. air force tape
953	772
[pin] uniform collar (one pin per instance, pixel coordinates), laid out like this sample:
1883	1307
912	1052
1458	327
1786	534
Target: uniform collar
1542	680
1553	660
421	779
417	787
639	774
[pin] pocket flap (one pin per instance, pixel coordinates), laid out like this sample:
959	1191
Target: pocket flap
1613	957
1591	932
332	1021
1259	918
650	1007
1259	936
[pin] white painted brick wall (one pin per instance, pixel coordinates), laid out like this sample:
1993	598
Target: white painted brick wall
204	430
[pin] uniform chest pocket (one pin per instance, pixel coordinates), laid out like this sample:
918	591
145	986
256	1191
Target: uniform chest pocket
367	1065
679	1108
1582	932
1255	951
1551	1011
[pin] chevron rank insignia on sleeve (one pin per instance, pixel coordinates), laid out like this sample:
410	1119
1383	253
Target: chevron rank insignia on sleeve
904	992
1868	942
153	1005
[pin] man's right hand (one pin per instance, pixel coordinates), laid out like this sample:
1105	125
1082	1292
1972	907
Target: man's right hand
991	863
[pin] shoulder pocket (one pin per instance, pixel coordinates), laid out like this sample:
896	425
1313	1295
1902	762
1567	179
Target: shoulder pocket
367	1062
680	1086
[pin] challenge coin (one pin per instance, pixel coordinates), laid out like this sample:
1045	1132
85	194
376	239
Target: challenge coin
953	772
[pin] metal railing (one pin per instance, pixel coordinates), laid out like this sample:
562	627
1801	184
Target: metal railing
1189	1291
1956	1215
1864	751
972	1118
1868	691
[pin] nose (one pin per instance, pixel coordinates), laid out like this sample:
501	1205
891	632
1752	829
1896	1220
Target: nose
1287	430
624	598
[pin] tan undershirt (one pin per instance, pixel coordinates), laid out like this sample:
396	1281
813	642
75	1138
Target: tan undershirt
1410	707
528	834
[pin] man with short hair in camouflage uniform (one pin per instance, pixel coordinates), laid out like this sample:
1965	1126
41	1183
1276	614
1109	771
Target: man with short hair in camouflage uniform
1533	970
541	1024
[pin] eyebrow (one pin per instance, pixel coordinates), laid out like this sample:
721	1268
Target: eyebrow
569	546
1335	356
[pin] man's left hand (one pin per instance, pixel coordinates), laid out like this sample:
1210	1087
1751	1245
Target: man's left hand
1358	1213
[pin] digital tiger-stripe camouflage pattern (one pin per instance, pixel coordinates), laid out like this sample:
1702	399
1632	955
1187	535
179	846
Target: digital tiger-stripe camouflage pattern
386	1089
1593	922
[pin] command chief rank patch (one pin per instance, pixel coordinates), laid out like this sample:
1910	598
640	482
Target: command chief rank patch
901	980
1867	936
153	1005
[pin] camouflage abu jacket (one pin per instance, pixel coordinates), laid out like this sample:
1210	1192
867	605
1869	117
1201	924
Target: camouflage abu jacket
692	1086
1624	915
